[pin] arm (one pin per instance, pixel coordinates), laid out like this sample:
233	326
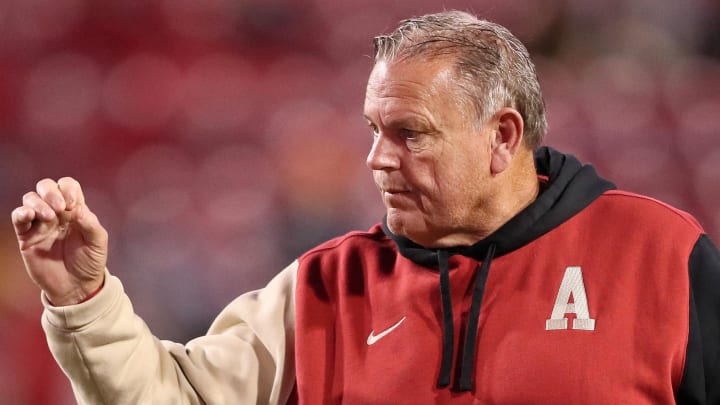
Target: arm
702	364
109	353
112	358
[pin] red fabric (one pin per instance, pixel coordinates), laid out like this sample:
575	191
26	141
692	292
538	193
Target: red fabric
637	287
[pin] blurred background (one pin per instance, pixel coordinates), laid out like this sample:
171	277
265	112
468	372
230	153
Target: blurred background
219	139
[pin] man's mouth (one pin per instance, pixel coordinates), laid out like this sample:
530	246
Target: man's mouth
394	191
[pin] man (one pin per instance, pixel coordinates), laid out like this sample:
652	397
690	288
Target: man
503	272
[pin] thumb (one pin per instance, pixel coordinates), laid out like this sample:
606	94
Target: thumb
89	226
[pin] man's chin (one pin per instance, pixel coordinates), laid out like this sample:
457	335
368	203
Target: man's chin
413	227
399	222
394	221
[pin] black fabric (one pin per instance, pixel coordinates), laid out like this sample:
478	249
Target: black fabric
447	318
701	376
467	368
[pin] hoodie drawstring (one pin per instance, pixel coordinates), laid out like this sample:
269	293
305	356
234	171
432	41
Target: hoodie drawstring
467	369
467	365
447	317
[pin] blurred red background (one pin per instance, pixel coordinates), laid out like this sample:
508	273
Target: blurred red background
219	139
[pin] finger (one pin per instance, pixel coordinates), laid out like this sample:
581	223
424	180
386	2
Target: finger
89	226
22	219
43	211
71	192
50	192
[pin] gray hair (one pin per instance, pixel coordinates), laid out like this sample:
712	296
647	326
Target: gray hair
493	67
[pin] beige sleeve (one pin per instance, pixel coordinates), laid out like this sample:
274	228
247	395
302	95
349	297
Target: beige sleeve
111	357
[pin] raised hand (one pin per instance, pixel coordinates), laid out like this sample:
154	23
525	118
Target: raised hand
63	244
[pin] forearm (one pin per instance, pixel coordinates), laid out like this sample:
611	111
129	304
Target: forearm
110	355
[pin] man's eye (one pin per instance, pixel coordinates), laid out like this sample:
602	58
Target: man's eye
374	129
408	133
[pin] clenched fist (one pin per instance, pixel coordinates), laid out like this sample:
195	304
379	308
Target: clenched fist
62	243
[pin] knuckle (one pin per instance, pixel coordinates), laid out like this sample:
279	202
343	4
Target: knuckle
68	181
29	196
16	214
45	187
70	188
21	217
44	183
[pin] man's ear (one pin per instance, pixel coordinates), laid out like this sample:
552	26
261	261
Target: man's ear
506	138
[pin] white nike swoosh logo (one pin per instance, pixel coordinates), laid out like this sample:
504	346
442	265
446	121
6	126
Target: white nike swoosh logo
372	339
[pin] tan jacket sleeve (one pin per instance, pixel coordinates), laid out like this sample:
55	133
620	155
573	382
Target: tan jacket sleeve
111	357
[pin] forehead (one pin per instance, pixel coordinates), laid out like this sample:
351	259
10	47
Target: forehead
412	81
417	90
413	92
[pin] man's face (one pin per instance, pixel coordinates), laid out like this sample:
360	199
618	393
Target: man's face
431	164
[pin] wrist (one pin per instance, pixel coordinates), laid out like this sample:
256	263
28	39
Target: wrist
94	293
78	296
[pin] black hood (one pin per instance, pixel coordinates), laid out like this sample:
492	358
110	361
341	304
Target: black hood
571	187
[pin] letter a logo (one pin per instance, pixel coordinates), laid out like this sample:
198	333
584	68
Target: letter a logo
572	284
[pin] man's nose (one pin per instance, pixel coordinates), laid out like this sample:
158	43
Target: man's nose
383	154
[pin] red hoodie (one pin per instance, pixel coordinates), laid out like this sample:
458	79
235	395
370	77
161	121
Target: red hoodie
590	295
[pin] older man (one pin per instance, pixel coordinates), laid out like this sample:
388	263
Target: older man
503	272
